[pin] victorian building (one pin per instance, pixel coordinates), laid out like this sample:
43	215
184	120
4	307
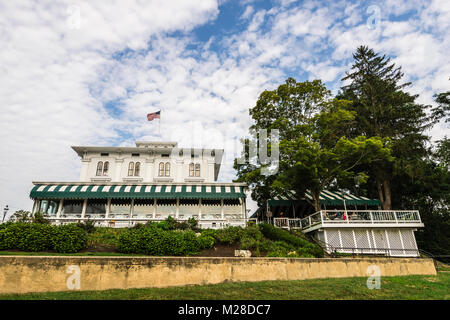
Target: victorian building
121	186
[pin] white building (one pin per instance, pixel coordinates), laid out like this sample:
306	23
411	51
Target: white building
120	186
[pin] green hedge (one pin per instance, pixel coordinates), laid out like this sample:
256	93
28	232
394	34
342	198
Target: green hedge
156	241
36	237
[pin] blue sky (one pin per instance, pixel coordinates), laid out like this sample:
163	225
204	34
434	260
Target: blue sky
88	72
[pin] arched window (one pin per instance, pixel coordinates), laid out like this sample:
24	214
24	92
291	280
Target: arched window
161	169
105	168
137	169
191	170
99	168
130	169
167	169
197	169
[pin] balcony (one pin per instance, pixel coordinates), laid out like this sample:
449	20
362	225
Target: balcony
353	219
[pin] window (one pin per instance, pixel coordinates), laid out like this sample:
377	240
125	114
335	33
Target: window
137	169
167	169
96	206
161	169
130	169
102	169
105	168
135	154
191	170
99	168
104	154
197	170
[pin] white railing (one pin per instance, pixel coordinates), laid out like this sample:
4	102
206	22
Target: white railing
119	221
343	217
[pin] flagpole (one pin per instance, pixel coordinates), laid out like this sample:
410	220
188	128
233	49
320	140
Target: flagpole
159	125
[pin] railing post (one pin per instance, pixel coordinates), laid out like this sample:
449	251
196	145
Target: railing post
395	216
371	217
309	220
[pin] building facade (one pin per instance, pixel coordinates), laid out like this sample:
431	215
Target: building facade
122	186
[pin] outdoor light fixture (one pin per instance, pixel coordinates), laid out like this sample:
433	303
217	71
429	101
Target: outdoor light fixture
5	211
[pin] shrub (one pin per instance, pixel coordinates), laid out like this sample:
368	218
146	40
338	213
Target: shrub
34	237
153	240
87	225
205	242
68	238
229	235
302	246
104	236
39	217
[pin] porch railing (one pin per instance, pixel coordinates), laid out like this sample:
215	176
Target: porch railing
350	217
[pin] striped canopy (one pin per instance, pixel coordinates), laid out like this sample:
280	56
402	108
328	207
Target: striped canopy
326	197
89	191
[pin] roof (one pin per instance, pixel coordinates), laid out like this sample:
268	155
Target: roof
134	191
326	197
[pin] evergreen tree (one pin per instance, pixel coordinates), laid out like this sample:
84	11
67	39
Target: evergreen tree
384	109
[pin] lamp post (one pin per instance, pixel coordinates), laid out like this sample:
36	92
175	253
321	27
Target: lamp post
5	211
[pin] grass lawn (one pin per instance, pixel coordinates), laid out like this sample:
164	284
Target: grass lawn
407	287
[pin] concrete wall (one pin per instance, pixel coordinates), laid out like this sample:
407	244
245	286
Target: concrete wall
19	274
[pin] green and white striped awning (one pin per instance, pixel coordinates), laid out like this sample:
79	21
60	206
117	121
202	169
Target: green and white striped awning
88	191
326	197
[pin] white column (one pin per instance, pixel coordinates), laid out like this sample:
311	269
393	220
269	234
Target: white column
154	208
199	209
178	208
35	206
108	208
83	211
221	209
131	208
58	213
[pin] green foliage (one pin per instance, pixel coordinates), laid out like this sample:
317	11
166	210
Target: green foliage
21	216
68	238
292	242
205	242
87	225
229	235
315	147
105	237
39	217
35	237
156	241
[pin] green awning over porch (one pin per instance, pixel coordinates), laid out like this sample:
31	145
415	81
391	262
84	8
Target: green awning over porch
90	191
326	197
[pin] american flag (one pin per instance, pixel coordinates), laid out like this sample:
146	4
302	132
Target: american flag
154	115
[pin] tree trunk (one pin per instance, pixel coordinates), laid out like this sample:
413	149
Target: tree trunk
387	195
384	193
316	199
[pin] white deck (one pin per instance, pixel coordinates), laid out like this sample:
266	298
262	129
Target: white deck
353	219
